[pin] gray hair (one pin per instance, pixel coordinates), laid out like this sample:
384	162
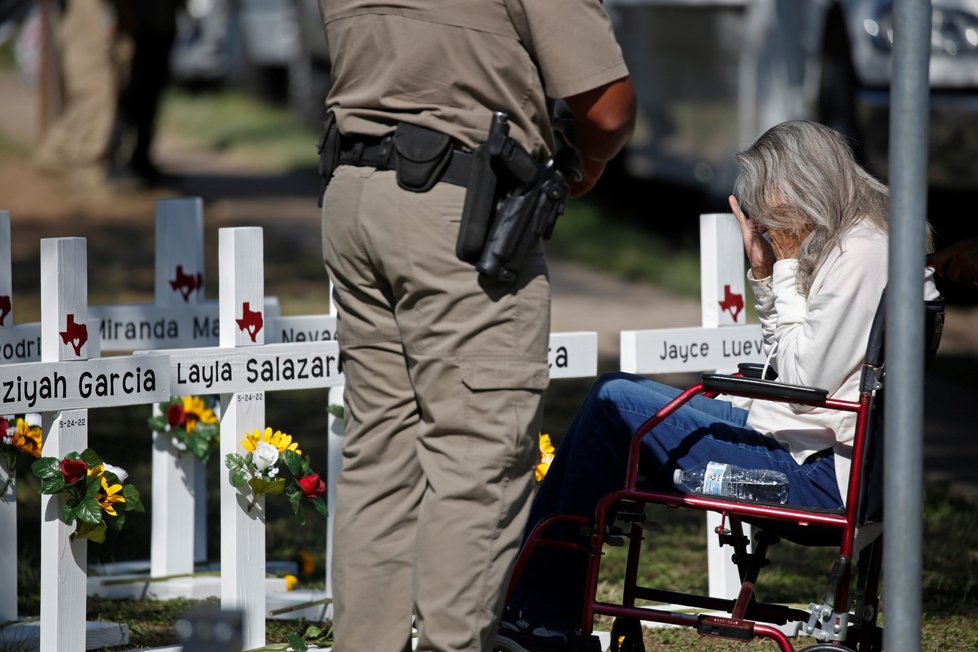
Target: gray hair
800	175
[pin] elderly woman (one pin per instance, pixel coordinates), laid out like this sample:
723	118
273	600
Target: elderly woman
814	225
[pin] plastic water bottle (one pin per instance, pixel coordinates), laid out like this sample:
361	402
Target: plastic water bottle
718	479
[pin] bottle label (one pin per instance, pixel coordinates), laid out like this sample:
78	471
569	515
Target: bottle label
716	479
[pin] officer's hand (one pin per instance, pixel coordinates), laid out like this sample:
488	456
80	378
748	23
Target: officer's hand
591	171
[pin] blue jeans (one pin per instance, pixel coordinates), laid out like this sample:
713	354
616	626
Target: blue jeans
591	462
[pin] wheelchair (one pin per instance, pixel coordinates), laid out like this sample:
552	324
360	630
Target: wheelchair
845	618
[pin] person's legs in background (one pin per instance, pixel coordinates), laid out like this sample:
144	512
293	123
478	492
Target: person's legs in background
153	34
75	145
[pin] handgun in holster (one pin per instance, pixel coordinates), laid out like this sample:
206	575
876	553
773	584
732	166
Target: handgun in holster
511	202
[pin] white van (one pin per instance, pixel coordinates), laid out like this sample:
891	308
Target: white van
712	75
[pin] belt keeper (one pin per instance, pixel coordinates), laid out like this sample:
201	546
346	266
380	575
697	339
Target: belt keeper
386	145
358	148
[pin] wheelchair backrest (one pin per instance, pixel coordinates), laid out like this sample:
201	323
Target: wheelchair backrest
871	490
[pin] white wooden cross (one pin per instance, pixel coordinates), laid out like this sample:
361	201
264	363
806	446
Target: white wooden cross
178	317
8	500
18	343
723	340
242	369
63	386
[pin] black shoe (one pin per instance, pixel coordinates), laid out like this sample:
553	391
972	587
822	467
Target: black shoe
516	633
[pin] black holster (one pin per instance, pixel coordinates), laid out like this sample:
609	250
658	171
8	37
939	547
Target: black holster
511	202
521	220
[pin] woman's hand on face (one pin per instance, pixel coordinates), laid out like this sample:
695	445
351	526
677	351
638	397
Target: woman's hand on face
786	244
760	253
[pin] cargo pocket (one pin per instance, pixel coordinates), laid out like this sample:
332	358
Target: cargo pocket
505	397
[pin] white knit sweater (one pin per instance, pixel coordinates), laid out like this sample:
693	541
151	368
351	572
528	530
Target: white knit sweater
820	341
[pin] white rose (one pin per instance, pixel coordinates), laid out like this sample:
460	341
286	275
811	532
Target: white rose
265	455
33	419
119	472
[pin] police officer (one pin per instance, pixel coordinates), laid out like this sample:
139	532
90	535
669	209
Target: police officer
445	367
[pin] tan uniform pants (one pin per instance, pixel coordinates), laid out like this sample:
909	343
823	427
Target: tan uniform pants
445	372
77	141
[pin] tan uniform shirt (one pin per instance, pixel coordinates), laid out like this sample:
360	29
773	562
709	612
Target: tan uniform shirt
448	64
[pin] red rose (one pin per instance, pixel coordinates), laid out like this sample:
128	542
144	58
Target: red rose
3	427
175	415
73	470
312	486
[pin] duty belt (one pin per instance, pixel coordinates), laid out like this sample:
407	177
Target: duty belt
380	153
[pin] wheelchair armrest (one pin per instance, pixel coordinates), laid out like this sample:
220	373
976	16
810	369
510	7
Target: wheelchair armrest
754	369
765	389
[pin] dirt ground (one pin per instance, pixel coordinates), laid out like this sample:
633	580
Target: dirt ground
120	232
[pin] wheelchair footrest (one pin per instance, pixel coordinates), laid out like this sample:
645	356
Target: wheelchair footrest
741	630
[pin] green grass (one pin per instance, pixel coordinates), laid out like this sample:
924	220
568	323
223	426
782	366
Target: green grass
233	122
616	244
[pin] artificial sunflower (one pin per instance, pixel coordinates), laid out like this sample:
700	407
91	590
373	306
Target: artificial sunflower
278	439
546	457
27	438
108	495
196	411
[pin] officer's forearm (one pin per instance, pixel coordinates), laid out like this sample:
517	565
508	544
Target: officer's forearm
603	119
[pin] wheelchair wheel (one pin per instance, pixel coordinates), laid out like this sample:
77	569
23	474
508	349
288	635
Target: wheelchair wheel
626	636
827	647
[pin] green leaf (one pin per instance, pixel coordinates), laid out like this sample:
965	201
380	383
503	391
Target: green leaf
68	512
292	460
47	467
335	410
92	485
133	503
238	478
52	485
88	511
158	423
200	448
91	531
320	506
267	487
295	499
234	461
91	457
296	642
313	632
207	431
118	521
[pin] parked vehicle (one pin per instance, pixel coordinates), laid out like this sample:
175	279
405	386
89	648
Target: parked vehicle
205	44
711	75
275	48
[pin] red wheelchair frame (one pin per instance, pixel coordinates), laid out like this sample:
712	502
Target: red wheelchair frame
845	618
